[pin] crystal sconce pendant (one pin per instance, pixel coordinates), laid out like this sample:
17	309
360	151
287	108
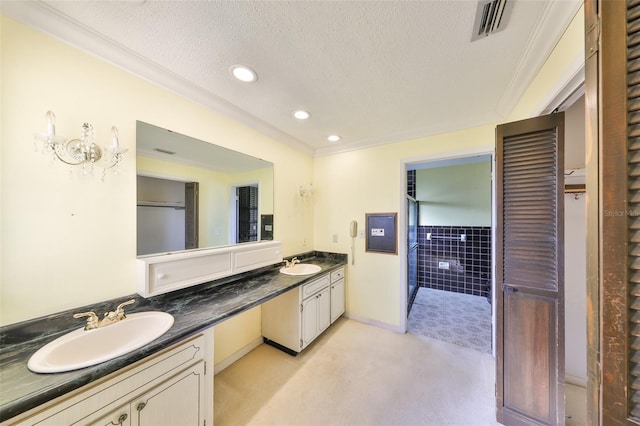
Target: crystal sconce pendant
83	151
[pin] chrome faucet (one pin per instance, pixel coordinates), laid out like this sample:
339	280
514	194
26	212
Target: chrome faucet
108	319
289	264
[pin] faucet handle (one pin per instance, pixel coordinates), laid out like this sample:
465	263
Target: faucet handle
92	320
292	262
120	308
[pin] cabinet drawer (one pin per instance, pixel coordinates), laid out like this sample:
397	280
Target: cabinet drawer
172	275
250	259
314	286
337	275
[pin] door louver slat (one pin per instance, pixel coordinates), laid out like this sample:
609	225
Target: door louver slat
633	206
529	178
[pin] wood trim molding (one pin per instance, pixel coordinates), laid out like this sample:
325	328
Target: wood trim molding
607	181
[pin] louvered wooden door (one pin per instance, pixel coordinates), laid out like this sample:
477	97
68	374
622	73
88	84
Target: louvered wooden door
530	271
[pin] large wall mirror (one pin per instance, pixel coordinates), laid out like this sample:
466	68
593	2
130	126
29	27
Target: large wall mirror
193	194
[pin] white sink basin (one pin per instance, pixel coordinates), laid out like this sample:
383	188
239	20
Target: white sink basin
83	348
300	269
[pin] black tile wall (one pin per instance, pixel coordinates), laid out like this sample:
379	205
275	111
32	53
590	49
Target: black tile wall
468	262
411	183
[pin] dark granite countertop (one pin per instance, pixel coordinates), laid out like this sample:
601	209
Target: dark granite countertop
194	310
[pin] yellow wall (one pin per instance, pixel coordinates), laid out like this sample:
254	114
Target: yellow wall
455	195
68	242
235	333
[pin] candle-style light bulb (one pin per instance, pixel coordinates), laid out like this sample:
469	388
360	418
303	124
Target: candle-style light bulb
115	142
51	124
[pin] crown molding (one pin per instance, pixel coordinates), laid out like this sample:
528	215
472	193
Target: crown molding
423	132
50	21
557	14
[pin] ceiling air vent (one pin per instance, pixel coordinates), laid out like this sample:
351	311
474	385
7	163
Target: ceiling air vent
491	16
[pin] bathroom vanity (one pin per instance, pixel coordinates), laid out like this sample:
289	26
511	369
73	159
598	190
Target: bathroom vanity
293	320
172	375
168	388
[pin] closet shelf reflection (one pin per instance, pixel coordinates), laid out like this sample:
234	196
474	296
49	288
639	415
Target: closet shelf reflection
175	205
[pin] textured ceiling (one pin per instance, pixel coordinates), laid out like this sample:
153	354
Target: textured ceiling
371	71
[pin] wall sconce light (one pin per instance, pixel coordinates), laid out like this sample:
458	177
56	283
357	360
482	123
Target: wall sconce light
82	151
305	190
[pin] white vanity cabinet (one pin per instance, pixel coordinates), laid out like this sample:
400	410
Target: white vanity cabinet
337	294
315	312
170	388
294	319
175	402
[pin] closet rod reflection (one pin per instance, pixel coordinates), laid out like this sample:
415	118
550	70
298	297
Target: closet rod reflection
461	237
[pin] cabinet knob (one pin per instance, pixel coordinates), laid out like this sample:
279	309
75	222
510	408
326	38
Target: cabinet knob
122	418
141	406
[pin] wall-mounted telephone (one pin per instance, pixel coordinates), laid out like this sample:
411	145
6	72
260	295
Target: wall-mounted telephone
353	231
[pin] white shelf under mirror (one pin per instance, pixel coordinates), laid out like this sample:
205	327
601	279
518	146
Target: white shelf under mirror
166	272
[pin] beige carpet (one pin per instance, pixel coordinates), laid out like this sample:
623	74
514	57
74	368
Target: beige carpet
356	374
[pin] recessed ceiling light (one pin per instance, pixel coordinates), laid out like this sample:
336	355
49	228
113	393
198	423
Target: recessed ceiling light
301	115
244	73
334	138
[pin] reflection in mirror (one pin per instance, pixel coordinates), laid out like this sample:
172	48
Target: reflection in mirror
193	194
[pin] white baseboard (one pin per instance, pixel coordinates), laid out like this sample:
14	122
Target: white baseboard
380	324
577	381
237	355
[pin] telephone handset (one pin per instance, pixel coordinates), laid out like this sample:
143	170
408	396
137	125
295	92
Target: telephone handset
353	229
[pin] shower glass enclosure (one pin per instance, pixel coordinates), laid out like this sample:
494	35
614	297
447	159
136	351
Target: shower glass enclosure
412	251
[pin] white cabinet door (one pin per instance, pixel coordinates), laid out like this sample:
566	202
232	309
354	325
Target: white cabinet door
178	401
296	318
309	320
324	310
337	300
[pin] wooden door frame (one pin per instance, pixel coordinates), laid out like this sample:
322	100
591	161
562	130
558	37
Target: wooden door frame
607	255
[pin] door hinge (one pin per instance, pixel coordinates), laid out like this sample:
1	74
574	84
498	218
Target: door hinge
300	342
205	368
301	305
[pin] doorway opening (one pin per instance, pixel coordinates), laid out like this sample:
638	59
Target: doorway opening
449	251
244	214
